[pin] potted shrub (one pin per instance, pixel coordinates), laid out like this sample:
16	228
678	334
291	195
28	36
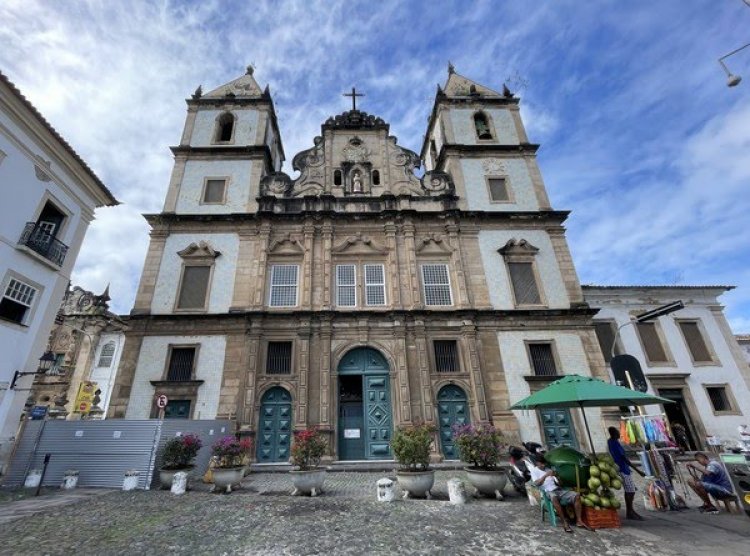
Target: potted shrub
229	454
481	447
308	446
411	448
178	455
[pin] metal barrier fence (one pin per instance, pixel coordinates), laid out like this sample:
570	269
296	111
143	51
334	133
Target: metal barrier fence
102	451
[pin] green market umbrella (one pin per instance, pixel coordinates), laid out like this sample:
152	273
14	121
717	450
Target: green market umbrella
585	391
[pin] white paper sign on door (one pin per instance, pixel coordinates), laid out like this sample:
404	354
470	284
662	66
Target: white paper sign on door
351	433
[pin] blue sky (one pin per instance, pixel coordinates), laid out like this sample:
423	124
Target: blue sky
641	139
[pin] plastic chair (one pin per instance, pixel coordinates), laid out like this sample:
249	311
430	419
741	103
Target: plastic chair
545	503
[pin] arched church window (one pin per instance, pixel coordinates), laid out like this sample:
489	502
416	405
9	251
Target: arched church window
225	128
375	177
482	126
106	355
337	177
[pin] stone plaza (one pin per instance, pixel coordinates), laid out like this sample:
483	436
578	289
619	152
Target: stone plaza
262	518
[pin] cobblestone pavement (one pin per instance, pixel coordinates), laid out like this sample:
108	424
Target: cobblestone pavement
262	518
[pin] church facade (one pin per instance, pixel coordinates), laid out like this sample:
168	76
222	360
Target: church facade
360	295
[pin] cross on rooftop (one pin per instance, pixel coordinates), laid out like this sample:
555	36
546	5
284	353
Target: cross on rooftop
354	94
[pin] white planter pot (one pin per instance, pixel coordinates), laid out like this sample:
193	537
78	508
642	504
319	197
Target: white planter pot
416	483
308	482
227	477
166	476
488	483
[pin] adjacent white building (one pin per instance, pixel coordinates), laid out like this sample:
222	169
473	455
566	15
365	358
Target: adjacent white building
50	195
690	356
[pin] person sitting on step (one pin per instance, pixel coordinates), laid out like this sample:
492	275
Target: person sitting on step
547	479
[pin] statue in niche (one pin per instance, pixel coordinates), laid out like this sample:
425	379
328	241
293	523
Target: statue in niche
356	182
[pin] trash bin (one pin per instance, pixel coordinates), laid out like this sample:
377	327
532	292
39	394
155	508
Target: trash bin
738	469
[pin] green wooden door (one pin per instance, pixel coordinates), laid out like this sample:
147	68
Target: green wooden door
365	418
558	428
177	409
275	434
453	409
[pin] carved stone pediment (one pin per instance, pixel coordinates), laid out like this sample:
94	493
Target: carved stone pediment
518	248
359	245
286	245
433	245
200	250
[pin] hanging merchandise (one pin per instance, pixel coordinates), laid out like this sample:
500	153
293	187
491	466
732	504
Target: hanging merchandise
646	464
624	432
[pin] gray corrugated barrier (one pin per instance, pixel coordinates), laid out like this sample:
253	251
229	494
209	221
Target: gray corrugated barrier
101	451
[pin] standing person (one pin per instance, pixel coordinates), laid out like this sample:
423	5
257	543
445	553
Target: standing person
623	463
547	480
713	480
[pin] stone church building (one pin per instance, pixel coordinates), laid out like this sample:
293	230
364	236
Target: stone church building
362	294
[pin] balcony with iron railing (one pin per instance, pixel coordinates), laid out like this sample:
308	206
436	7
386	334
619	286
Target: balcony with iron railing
42	242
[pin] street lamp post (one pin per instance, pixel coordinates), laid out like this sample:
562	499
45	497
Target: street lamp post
45	364
645	317
732	80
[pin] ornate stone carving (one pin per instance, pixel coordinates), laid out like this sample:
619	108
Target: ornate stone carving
42	168
436	182
518	248
433	243
278	183
355	119
359	244
200	250
356	151
286	245
495	167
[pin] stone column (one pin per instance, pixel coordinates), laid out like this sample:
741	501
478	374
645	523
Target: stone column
308	266
402	371
327	232
565	263
457	263
392	270
246	269
261	252
414	299
475	371
325	373
420	340
303	364
150	273
246	412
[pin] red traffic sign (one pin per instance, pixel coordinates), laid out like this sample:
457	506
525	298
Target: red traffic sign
161	401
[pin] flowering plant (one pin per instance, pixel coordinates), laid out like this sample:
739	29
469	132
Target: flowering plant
411	447
228	451
307	449
481	446
180	451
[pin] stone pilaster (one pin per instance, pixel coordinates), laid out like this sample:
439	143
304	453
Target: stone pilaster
145	293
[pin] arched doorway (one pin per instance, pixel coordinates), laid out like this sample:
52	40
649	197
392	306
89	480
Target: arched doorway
453	409
275	427
364	395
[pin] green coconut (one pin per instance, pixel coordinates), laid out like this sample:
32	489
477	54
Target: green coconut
594	471
587	502
594	483
615	503
616	484
605	480
605	503
594	498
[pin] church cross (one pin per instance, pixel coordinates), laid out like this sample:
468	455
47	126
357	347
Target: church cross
354	94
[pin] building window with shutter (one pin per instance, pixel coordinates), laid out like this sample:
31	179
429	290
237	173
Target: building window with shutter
523	281
652	344
498	188
519	258
696	342
106	355
374	284
279	358
194	287
346	285
214	191
17	301
181	363
446	356
542	359
605	333
283	285
721	399
436	283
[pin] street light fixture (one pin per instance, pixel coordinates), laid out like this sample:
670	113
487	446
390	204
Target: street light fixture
647	316
732	80
45	364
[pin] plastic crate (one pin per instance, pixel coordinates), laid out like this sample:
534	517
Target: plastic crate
601	519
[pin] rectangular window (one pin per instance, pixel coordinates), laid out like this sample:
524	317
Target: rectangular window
17	300
695	342
181	360
346	285
651	342
194	287
214	191
177	409
542	359
284	285
524	284
375	284
719	399
437	286
605	333
498	189
279	358
446	356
